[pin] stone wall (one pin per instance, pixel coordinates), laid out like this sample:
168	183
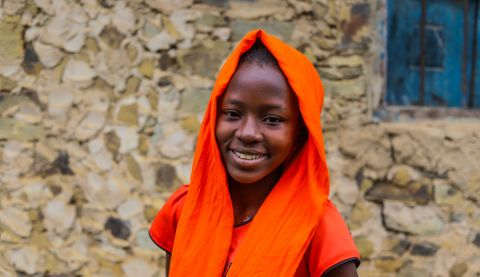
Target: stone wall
410	194
101	101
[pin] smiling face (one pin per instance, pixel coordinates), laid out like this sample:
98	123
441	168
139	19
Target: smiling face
257	123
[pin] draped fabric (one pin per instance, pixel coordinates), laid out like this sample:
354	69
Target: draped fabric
286	222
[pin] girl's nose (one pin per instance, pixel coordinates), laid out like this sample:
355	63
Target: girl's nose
248	132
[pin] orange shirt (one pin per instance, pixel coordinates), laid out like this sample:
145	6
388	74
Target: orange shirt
331	245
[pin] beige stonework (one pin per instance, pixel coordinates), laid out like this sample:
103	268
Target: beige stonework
98	125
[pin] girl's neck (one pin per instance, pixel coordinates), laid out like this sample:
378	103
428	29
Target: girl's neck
247	198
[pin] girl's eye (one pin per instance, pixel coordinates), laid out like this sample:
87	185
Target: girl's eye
273	120
231	115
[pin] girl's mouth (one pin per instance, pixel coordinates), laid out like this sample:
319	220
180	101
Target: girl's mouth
247	160
247	156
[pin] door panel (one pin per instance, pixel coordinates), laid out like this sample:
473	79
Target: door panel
444	43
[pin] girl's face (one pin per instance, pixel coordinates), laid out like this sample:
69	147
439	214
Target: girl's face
257	123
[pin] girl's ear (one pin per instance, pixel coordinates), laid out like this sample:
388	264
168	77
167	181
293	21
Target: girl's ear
300	141
302	133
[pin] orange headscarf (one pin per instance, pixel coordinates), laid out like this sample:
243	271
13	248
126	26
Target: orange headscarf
285	223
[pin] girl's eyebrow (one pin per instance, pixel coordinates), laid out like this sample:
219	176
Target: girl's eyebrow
263	107
268	107
235	102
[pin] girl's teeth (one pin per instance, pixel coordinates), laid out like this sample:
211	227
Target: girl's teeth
247	156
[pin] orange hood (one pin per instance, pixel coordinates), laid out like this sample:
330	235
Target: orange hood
285	223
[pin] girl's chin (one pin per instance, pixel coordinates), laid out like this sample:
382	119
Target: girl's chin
246	179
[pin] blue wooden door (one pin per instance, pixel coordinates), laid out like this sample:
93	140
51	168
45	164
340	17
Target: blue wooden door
476	61
447	82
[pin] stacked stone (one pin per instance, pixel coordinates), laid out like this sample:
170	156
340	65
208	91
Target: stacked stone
410	194
101	102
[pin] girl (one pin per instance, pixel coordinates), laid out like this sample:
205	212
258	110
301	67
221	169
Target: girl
257	204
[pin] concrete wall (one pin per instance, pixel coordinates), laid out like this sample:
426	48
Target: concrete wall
101	101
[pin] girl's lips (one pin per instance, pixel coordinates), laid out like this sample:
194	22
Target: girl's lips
246	160
246	151
246	155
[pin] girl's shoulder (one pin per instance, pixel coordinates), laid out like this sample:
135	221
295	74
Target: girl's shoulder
164	226
331	244
177	199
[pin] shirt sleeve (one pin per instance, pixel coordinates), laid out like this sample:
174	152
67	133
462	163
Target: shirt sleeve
332	244
164	226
